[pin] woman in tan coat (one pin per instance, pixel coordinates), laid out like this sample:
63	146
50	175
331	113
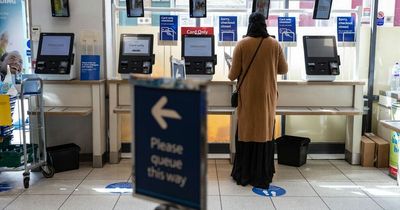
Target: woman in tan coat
254	159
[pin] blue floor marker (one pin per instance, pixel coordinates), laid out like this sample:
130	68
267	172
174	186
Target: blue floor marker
4	187
272	191
120	187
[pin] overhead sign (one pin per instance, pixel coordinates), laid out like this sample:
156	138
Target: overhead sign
287	29
170	143
197	30
346	29
228	28
169	27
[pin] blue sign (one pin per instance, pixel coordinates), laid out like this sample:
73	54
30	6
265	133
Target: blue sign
170	143
168	27
227	28
287	29
272	191
380	20
346	29
90	67
119	187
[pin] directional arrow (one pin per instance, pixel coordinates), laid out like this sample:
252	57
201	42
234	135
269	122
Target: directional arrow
159	113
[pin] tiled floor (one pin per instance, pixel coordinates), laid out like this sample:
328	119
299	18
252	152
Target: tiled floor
320	184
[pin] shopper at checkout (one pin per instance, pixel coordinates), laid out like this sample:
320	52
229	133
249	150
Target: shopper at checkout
254	158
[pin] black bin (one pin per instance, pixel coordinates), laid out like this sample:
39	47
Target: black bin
64	157
292	150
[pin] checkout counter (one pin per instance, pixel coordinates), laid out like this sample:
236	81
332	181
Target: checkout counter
318	96
64	96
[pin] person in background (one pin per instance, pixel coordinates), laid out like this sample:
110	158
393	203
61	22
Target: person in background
3	43
254	158
14	60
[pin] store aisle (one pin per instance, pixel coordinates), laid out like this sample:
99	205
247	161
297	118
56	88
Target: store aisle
320	184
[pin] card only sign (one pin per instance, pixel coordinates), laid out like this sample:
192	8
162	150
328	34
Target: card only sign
170	143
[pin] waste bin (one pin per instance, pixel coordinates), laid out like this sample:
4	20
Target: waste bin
64	157
292	150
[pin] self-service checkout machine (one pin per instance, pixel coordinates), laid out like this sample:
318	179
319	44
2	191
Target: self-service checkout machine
321	58
55	56
136	54
199	54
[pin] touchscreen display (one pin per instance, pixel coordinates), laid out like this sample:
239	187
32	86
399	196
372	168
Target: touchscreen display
55	45
136	45
321	47
198	46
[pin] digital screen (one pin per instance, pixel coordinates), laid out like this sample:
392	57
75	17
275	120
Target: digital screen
320	48
198	8
261	6
322	9
55	45
198	46
134	8
59	8
136	45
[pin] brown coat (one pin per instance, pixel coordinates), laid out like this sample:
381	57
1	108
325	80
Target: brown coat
258	94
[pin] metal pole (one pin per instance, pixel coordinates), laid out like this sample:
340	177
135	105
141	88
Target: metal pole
284	77
371	69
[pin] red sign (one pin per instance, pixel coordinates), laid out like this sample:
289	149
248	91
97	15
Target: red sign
197	30
397	13
356	3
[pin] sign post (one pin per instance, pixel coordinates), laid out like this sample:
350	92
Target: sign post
227	28
170	142
346	29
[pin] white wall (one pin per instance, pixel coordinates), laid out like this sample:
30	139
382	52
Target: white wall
86	17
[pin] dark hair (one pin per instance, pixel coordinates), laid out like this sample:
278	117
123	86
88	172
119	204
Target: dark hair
257	26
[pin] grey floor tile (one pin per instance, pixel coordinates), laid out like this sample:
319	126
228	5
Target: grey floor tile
110	173
5	200
324	175
53	187
299	203
231	188
89	202
130	202
212	187
351	204
388	203
367	175
298	188
78	174
246	203
213	202
95	187
292	174
338	189
37	202
380	189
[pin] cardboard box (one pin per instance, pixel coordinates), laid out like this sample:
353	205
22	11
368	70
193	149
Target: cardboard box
367	152
382	149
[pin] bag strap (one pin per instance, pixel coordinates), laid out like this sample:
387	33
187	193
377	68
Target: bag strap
248	68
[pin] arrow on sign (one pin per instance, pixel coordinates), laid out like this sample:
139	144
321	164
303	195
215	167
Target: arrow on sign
159	113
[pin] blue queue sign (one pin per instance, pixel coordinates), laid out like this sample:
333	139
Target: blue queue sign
169	143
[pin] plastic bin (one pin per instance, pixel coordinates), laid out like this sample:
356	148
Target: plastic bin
292	150
64	157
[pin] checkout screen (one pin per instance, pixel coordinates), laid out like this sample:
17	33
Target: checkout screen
198	46
320	48
55	45
135	45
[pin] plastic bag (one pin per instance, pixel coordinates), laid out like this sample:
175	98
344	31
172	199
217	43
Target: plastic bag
7	86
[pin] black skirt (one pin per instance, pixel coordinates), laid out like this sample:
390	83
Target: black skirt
254	163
